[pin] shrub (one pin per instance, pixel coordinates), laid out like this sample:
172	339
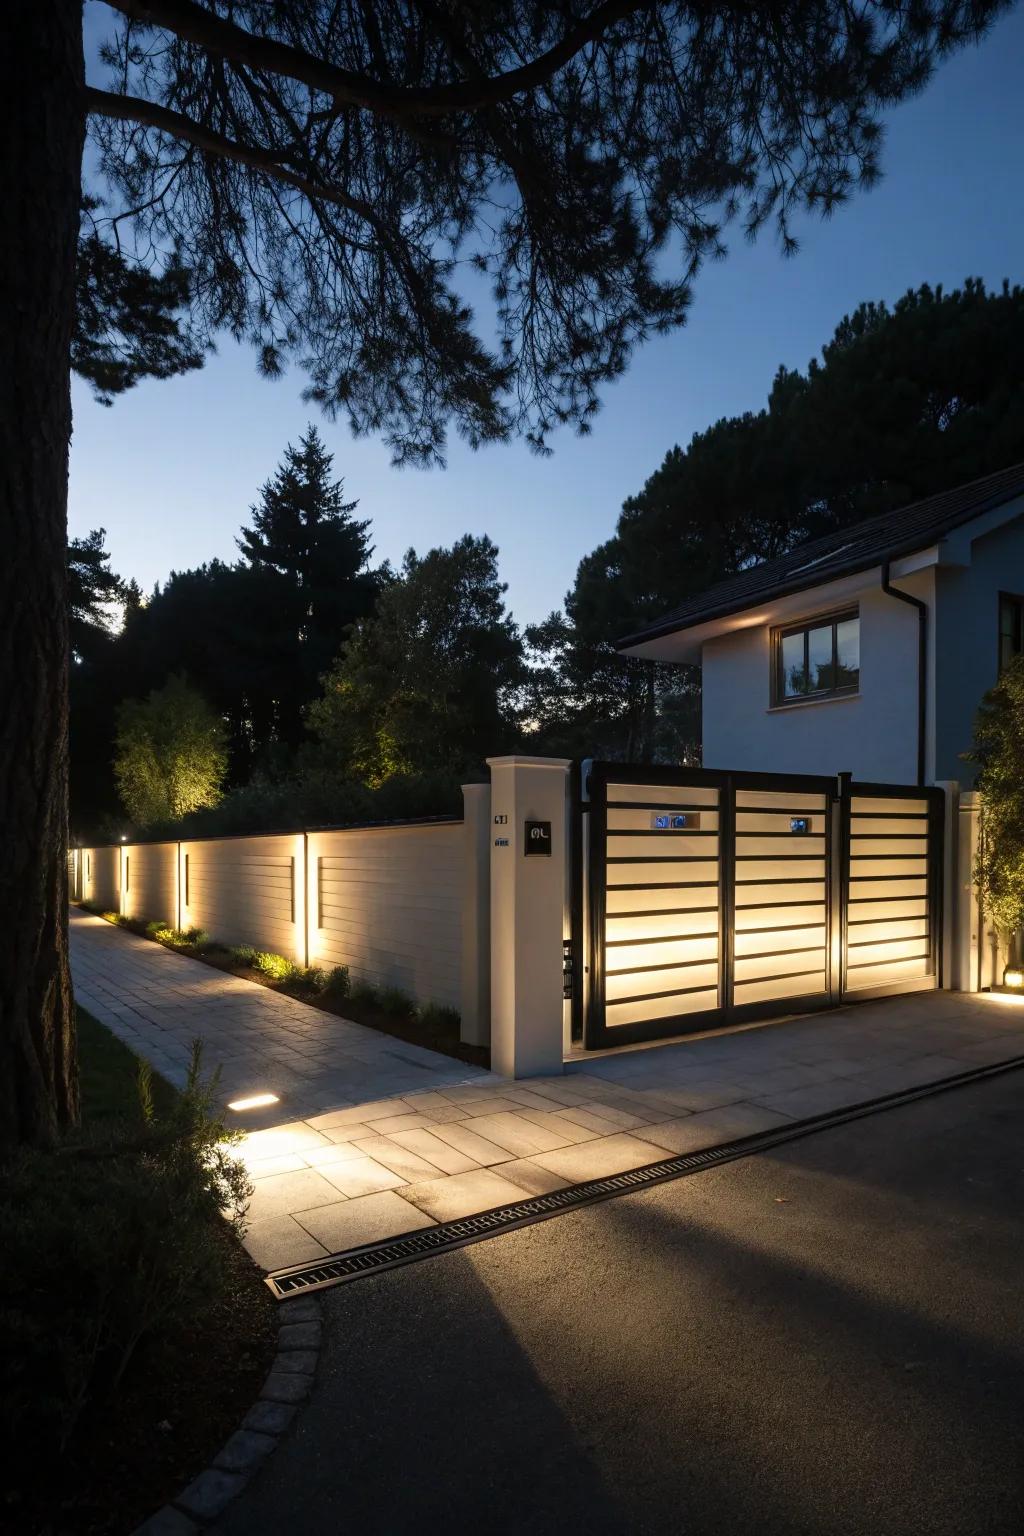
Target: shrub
320	982
186	938
204	945
440	1017
394	1001
998	751
309	981
115	1239
337	984
276	967
364	995
159	930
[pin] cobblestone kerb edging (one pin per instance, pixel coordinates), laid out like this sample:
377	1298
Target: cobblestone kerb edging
236	1463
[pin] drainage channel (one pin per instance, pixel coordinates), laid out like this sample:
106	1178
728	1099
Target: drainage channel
299	1279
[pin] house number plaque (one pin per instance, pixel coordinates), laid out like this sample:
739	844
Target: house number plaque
538	838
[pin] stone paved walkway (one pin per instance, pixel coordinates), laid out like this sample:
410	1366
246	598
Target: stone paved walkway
374	1137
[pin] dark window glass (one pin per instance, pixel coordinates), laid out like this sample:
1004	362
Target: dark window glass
794	675
817	659
1011	628
820	670
847	653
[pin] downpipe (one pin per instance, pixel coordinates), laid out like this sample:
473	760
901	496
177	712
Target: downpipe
922	663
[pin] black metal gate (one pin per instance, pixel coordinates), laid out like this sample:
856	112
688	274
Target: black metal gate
714	898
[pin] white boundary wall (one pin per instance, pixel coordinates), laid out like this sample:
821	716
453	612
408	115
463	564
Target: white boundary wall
390	902
387	902
244	890
449	912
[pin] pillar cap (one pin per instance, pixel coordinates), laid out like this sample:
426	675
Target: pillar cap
560	763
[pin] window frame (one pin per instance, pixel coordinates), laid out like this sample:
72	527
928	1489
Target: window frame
1018	602
832	617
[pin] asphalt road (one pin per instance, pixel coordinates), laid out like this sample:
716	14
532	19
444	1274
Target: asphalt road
820	1341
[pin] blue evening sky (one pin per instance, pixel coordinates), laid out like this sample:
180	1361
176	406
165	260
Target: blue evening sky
172	468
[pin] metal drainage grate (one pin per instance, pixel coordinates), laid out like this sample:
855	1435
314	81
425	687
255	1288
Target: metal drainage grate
300	1278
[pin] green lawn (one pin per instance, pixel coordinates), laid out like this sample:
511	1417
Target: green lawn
108	1072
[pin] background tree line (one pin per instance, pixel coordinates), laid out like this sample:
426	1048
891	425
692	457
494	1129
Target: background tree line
325	688
904	401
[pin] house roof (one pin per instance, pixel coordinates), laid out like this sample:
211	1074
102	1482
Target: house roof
858	548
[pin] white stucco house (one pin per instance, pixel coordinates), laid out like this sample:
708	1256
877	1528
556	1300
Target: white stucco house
866	651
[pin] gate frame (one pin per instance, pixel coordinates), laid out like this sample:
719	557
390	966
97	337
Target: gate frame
838	793
596	1034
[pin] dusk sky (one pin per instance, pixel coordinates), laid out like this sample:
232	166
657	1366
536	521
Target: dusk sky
171	470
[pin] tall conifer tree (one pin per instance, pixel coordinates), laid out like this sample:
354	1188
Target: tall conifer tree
303	531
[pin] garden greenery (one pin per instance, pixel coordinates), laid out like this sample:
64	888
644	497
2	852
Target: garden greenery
311	982
998	751
115	1239
171	754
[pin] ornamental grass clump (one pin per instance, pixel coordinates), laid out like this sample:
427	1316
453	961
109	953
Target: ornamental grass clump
439	1017
337	984
274	967
394	1001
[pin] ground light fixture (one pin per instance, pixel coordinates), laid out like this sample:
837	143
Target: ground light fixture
1013	977
255	1101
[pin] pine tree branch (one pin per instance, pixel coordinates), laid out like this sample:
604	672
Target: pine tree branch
134	109
193	24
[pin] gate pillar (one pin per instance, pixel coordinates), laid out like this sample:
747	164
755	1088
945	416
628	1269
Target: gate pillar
529	913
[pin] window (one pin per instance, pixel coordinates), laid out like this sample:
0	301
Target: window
1011	628
817	659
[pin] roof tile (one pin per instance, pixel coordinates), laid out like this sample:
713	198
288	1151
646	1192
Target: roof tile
856	548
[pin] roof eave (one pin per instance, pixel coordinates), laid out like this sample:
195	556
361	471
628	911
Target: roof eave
853	568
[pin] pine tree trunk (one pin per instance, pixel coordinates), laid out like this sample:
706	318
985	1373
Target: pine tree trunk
42	131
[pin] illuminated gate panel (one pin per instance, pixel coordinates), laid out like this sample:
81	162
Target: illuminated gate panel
659	962
781	895
892	847
717	897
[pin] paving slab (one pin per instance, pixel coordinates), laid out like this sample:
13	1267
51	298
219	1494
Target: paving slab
598	1159
280	1240
374	1136
463	1194
361	1176
282	1193
370	1219
531	1178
